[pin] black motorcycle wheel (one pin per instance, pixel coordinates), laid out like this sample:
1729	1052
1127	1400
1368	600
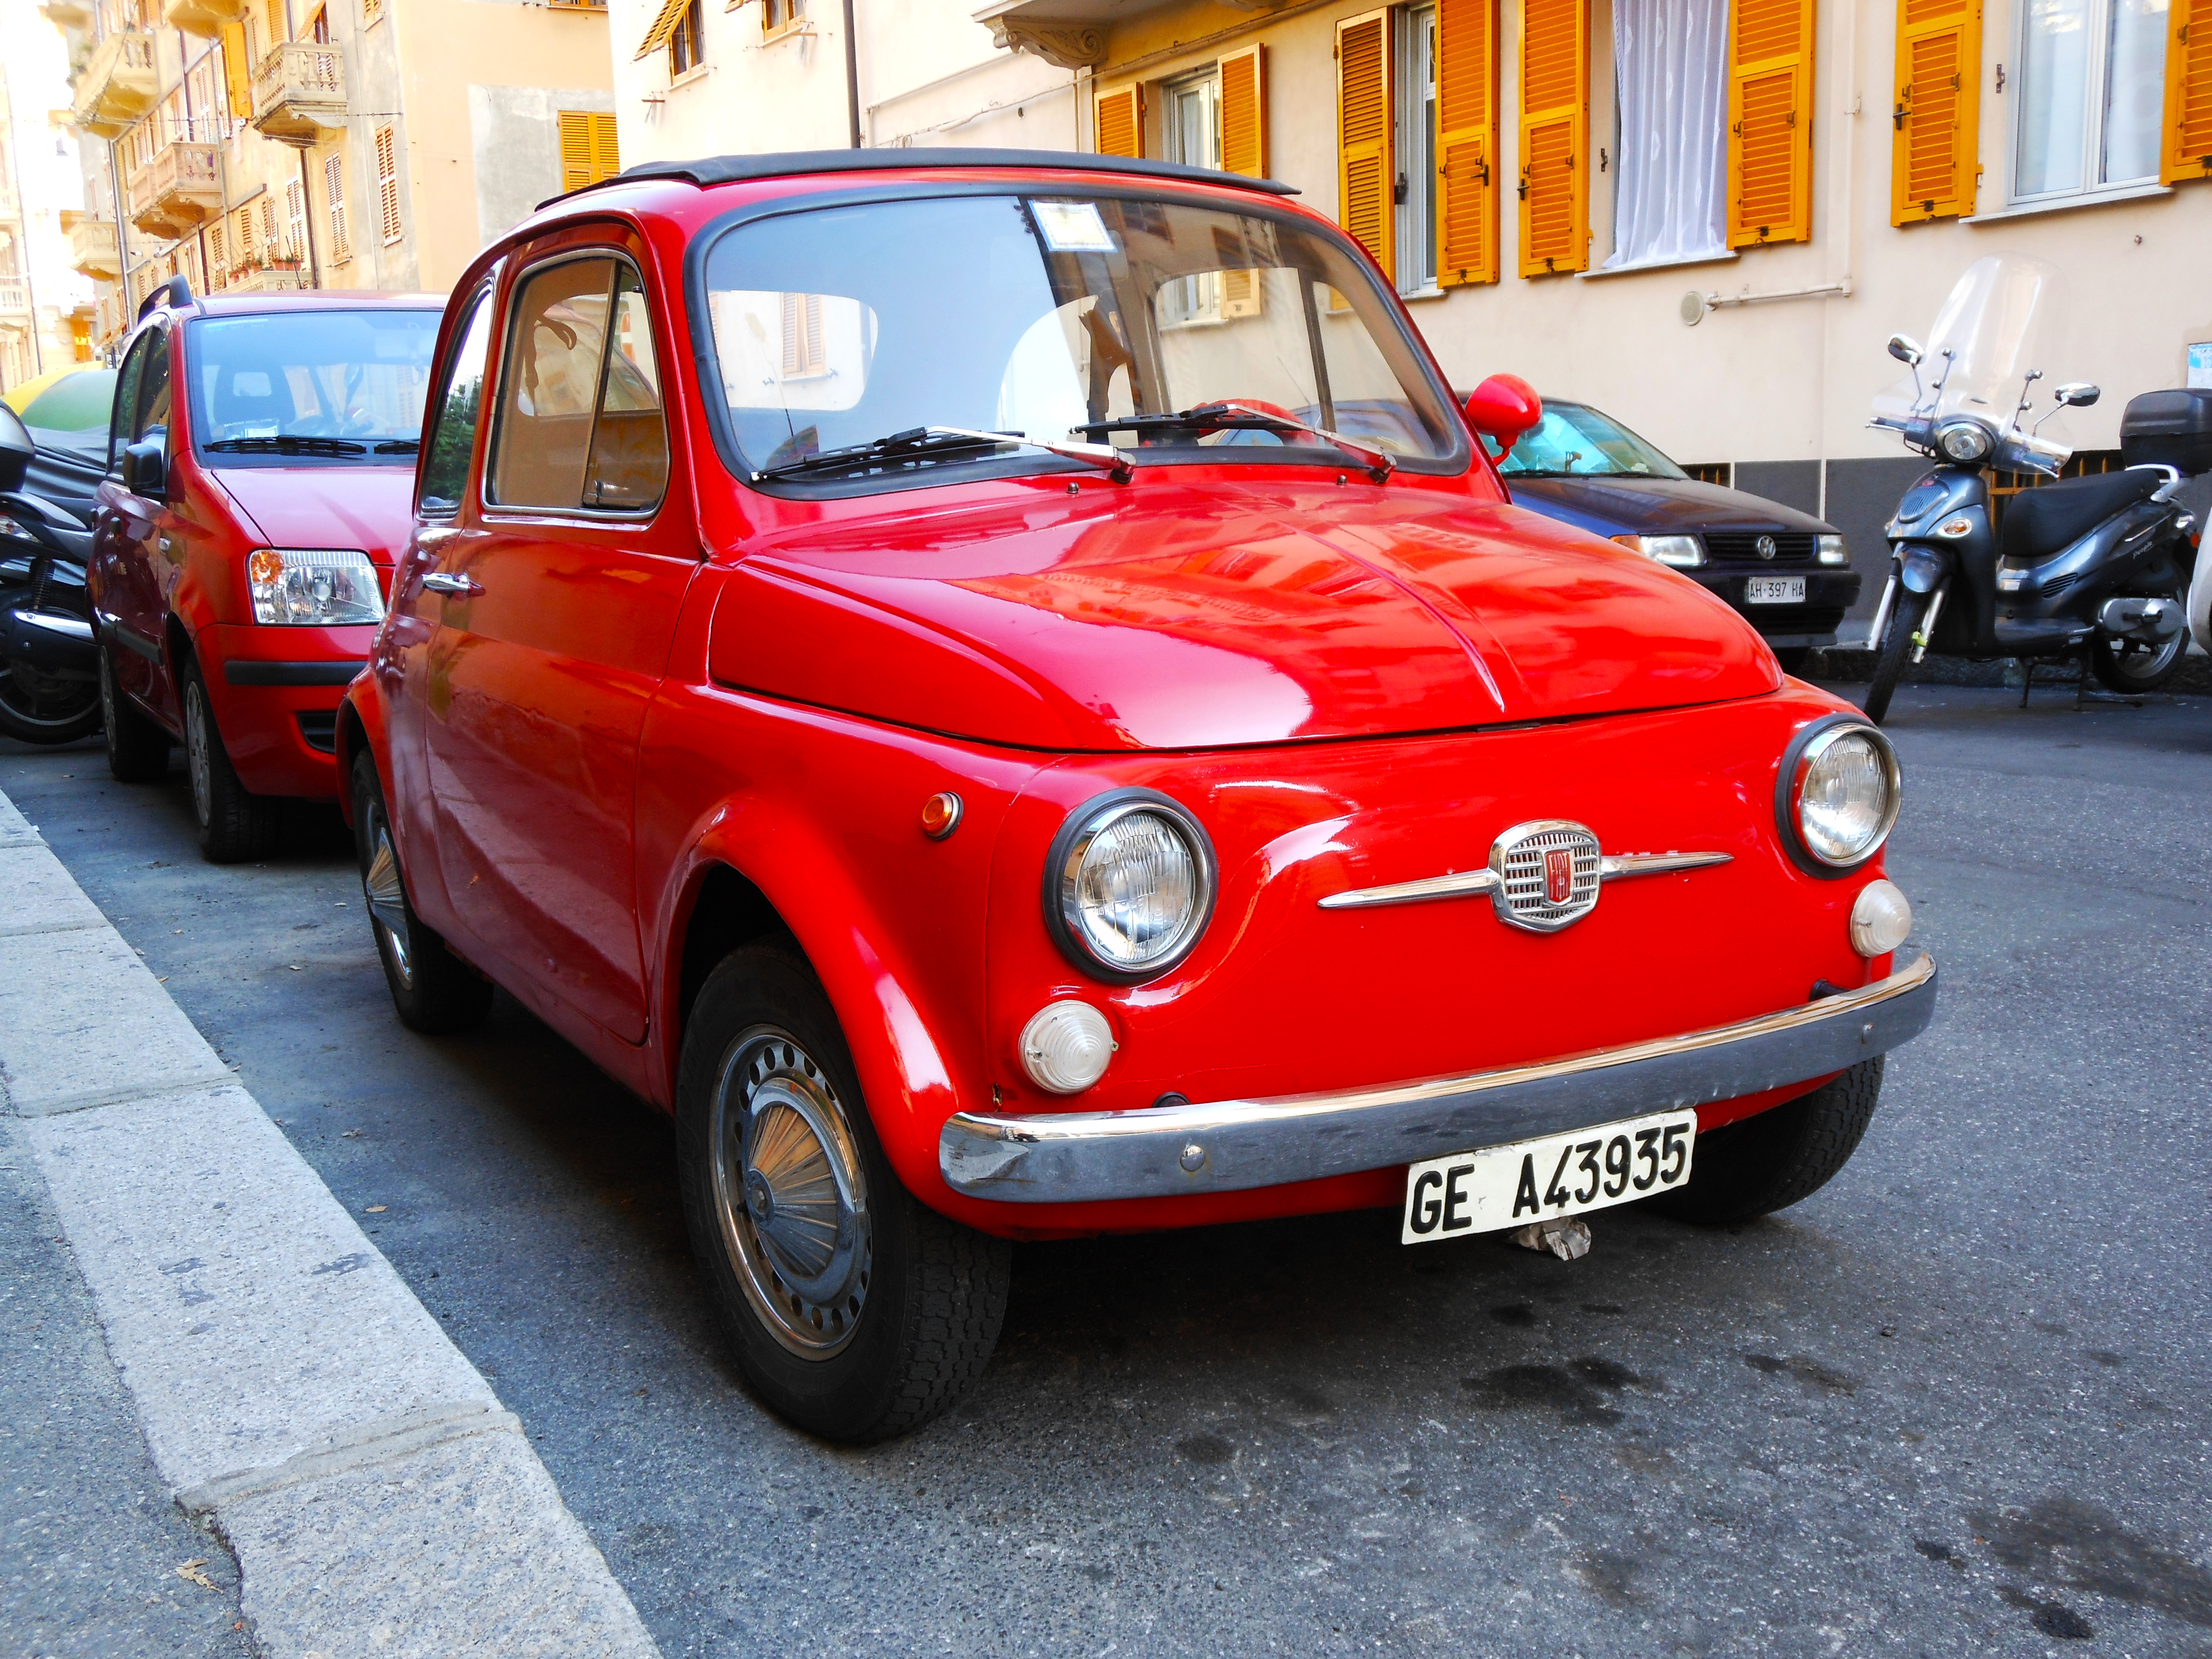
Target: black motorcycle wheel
36	707
2130	669
1896	650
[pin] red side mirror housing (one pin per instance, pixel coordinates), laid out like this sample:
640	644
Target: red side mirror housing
1503	407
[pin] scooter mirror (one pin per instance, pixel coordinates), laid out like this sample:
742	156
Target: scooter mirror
2078	394
1906	349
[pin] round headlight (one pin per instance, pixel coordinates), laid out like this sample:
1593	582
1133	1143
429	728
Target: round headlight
1128	885
1964	441
1843	794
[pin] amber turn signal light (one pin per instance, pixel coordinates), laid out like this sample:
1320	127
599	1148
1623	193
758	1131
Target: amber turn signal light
265	566
940	815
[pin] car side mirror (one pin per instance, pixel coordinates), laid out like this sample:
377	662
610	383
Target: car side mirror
2078	394
145	470
1503	407
1906	349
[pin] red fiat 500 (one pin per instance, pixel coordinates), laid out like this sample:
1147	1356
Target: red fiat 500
999	689
261	463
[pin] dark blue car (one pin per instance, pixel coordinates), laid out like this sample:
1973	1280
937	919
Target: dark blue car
1784	570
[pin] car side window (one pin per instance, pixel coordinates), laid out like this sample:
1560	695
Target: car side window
458	403
579	407
125	415
152	420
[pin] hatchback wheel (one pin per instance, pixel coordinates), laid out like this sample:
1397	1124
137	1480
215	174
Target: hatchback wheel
235	825
433	990
137	747
857	1312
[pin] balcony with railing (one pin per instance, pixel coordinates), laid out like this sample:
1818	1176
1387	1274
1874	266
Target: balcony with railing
179	189
93	249
266	277
67	14
15	297
117	84
206	18
300	91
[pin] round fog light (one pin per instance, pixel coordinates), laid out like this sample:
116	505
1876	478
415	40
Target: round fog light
1879	919
1066	1046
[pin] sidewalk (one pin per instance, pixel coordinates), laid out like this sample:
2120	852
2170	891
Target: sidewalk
290	1390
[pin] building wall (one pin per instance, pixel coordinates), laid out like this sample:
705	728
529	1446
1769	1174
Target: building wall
40	296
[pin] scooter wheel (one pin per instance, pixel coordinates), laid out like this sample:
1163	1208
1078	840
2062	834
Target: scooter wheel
1896	648
2131	669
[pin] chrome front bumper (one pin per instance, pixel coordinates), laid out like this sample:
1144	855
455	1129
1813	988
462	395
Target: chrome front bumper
1158	1152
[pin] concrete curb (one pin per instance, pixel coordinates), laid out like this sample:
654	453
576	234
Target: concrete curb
289	1385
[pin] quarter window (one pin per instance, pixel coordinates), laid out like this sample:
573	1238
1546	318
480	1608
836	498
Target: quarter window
2091	100
580	422
452	443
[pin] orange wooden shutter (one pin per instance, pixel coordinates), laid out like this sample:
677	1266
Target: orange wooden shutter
1933	165
1243	150
2188	149
1362	133
237	72
1555	137
1119	128
1466	141
606	148
575	150
1770	152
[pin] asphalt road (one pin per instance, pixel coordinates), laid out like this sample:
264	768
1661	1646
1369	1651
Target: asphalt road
1960	1401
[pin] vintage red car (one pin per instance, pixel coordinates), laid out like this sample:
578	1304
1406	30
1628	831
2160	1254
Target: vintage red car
261	463
999	690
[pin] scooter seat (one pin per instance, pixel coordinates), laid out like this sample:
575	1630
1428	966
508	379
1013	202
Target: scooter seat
2053	517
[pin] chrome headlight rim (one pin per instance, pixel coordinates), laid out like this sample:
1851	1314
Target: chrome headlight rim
1978	441
1807	746
1064	862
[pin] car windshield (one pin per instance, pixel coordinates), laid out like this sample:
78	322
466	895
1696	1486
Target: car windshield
311	384
1574	440
1102	317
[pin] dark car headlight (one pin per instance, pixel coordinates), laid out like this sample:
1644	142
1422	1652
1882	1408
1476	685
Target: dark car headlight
1128	885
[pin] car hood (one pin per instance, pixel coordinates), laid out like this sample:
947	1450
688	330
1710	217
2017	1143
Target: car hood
369	508
1657	506
1197	621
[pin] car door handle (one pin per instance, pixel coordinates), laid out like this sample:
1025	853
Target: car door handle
447	582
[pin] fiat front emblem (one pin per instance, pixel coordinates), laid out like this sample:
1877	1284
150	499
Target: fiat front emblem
1558	875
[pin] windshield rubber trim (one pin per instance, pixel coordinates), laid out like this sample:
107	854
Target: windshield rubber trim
1034	464
223	461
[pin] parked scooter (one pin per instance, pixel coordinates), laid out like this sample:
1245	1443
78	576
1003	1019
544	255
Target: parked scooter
2097	566
48	669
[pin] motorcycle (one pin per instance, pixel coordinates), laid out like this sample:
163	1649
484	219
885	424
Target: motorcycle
2097	566
49	665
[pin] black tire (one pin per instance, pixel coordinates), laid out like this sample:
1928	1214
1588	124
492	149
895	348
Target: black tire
1794	658
904	1306
1780	1156
1896	651
433	990
40	708
235	825
2133	670
137	746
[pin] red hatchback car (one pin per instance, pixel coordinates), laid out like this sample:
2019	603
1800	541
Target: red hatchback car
261	471
1000	691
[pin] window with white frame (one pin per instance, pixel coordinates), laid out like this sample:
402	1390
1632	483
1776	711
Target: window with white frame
1415	185
2090	97
1190	122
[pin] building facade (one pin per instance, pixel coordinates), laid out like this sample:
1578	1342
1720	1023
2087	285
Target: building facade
270	144
45	308
1705	217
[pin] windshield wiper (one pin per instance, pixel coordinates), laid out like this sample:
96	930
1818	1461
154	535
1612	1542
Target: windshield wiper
1240	417
285	443
400	446
922	440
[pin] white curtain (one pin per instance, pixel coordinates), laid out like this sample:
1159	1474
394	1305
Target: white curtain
1670	82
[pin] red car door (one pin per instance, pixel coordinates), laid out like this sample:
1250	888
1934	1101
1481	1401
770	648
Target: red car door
126	531
552	635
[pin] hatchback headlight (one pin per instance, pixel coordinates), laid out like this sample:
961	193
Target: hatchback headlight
314	587
1841	791
1831	551
1967	440
1128	885
1683	552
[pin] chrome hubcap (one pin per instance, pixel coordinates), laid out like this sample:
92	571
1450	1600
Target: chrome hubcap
196	751
790	1193
387	899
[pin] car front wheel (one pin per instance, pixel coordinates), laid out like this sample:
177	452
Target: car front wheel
857	1312
1779	1156
235	825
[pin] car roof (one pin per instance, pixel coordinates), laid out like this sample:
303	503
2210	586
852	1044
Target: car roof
783	164
324	299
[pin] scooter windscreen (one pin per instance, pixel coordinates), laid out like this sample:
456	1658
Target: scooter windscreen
1988	338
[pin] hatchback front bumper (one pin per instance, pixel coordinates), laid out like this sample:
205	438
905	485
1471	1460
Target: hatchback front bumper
1163	1151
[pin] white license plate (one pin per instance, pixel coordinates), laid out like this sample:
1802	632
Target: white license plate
1774	590
1543	1179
